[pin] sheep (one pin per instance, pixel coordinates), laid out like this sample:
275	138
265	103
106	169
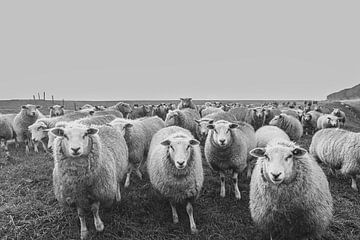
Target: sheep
138	134
175	169
266	134
6	131
270	113
89	164
327	121
87	106
340	114
309	121
184	118
95	120
27	116
124	108
56	110
143	111
210	110
226	148
161	110
339	149
186	103
292	126
239	113
289	193
105	112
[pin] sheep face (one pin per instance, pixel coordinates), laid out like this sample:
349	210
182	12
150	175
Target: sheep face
333	122
185	102
56	110
203	126
30	110
180	150
75	139
336	112
278	162
171	118
121	126
124	108
307	117
277	120
38	131
147	108
222	133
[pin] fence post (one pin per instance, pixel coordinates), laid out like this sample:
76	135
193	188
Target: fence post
52	99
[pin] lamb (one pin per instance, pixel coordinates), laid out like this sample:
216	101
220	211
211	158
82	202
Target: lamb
226	148
309	121
124	108
327	121
266	134
27	116
210	110
184	118
339	149
289	193
89	164
143	111
138	134
292	126
56	110
6	131
175	169
186	103
340	114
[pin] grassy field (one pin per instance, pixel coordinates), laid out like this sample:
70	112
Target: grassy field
28	209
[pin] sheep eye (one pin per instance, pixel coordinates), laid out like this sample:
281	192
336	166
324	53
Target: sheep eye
288	157
66	136
266	156
188	147
172	148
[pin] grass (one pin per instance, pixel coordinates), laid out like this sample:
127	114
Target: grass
29	210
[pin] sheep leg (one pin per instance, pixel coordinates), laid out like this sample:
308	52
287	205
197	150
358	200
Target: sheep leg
127	181
83	228
222	181
236	186
44	146
190	212
118	194
36	149
174	213
353	183
99	225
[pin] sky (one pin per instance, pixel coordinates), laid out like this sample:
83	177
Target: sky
118	50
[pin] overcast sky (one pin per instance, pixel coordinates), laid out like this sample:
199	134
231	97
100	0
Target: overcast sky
117	50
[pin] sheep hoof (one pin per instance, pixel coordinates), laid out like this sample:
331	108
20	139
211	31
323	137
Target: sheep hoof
99	226
83	234
238	196
355	188
222	194
175	220
194	231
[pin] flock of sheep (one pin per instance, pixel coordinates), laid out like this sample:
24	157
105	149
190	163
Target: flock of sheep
96	148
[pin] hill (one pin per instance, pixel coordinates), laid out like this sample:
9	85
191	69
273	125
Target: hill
346	94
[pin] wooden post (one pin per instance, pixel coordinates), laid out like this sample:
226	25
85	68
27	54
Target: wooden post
44	96
52	99
39	96
63	102
34	98
75	106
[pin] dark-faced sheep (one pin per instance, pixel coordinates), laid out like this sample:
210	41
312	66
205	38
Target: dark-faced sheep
186	103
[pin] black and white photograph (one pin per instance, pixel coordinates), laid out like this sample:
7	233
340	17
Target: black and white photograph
158	119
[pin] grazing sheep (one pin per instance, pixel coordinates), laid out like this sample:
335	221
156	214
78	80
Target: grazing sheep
309	121
89	166
226	148
289	193
124	108
210	110
327	121
184	118
56	111
138	134
340	114
143	111
115	113
6	131
186	103
339	149
27	116
266	134
175	169
292	126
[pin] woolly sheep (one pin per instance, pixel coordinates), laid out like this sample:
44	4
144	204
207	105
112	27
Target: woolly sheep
184	118
87	106
339	149
340	114
6	131
124	108
143	111
186	103
27	116
210	110
292	126
289	193
327	121
291	112
161	110
175	169
266	134
109	112
309	121
138	134
226	148
56	110
270	113
89	164
95	120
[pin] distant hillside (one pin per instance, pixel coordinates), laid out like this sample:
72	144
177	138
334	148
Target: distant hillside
346	94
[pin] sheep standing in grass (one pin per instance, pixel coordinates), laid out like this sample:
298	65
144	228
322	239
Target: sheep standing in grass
27	116
138	134
184	118
89	164
186	103
6	131
340	114
327	121
339	149
291	125
124	108
255	117
266	134
289	193
175	169
270	113
227	147
309	121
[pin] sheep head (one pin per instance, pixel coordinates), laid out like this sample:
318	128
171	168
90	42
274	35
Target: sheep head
30	110
221	132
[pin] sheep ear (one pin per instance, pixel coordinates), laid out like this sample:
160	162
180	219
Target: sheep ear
258	152
38	106
166	142
298	152
211	121
128	125
197	121
233	125
58	132
52	108
182	99
61	106
24	107
91	112
194	142
210	126
92	131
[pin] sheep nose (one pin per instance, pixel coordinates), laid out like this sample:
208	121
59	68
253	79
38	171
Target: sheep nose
276	175
222	141
75	150
181	164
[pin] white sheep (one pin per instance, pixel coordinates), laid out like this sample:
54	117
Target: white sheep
56	110
289	193
340	114
184	118
291	125
327	121
227	147
210	110
89	164
266	134
175	168
6	131
124	108
338	148
309	121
